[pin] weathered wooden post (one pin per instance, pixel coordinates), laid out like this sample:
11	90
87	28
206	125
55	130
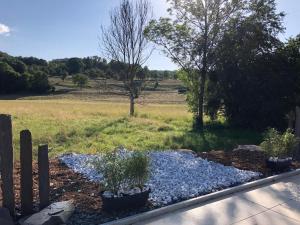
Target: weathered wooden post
7	163
26	172
297	129
44	184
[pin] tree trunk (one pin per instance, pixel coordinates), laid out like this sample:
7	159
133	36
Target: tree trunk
202	78
198	124
131	105
297	129
291	119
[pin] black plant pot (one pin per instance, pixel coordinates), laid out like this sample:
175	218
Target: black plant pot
110	204
279	164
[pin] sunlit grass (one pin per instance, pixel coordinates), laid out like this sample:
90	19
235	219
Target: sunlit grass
91	127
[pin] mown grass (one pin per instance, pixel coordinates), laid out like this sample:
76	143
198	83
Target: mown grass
91	127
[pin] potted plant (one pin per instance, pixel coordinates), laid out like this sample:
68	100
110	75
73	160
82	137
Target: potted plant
279	149
124	177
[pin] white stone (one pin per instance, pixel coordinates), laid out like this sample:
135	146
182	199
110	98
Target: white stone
173	175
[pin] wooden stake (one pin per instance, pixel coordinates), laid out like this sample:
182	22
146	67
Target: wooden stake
44	186
7	163
26	172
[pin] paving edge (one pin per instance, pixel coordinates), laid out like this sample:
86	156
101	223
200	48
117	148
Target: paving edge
201	199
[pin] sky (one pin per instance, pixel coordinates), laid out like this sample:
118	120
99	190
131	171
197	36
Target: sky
52	29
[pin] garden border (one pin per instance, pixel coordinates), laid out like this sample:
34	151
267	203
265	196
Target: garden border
202	199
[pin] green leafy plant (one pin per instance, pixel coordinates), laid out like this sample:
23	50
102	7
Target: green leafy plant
112	167
123	172
279	145
137	169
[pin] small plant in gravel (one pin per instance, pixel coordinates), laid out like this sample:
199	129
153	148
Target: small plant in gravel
123	172
112	167
137	170
279	145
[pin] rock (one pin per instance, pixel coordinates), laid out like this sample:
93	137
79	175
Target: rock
5	218
173	174
248	148
55	214
186	151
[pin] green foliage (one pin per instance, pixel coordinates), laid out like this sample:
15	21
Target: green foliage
75	65
17	76
253	83
190	80
80	80
123	172
38	82
137	169
112	166
279	145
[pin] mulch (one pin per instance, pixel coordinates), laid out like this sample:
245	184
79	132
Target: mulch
65	184
243	160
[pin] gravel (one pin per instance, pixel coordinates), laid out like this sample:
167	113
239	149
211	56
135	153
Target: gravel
175	176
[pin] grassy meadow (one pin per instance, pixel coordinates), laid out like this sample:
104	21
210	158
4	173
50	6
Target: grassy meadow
91	127
73	124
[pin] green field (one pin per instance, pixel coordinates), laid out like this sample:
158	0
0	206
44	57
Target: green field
84	124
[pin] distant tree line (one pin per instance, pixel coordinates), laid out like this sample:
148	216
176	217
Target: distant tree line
97	67
19	74
30	74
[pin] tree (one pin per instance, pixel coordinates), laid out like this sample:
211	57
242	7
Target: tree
80	80
190	40
252	80
75	65
124	42
38	82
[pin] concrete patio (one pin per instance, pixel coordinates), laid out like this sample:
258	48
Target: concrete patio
275	204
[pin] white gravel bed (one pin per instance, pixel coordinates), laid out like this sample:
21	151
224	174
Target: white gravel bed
174	175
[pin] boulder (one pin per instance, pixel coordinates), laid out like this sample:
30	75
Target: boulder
248	148
55	214
186	151
5	218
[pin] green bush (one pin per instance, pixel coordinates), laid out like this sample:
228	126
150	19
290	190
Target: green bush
80	80
279	145
123	172
136	170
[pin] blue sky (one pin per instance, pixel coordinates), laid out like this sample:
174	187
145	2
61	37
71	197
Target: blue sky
52	29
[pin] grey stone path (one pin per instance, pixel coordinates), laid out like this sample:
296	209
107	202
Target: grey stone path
275	204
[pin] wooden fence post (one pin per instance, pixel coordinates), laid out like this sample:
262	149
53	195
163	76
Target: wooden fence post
7	163
44	185
26	172
297	129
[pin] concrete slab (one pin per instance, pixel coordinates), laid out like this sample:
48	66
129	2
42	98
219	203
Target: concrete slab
290	209
223	212
272	195
275	204
268	218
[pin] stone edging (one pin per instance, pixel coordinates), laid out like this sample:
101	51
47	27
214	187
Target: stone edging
202	199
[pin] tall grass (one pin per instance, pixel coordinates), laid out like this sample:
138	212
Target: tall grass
91	127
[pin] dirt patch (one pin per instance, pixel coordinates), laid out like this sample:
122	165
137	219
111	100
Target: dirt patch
240	160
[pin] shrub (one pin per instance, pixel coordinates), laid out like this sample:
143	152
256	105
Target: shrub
38	82
112	168
137	169
123	172
279	145
80	80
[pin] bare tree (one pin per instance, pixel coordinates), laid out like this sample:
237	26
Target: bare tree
124	41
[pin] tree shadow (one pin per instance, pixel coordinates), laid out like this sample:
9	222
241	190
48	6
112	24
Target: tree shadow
213	137
18	96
